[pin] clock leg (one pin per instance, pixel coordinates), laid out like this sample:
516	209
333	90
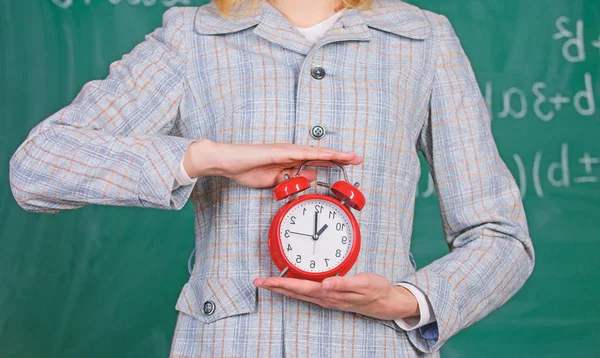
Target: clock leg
285	270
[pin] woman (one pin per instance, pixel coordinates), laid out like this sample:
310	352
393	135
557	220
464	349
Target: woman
195	111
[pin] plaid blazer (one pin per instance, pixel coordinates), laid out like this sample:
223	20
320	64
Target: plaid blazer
397	82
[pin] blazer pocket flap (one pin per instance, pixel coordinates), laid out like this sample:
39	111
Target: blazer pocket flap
212	299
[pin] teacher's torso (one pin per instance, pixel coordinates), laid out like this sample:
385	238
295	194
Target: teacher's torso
257	80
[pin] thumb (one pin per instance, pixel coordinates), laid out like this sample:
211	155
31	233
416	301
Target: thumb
334	284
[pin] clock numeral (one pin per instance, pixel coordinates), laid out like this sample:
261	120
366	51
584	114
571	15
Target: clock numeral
287	233
298	259
312	264
289	248
303	211
332	214
327	262
319	208
340	226
292	219
344	240
338	253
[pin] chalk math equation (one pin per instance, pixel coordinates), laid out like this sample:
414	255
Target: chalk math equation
560	169
547	101
576	42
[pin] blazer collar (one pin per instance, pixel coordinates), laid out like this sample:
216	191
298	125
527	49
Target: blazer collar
393	16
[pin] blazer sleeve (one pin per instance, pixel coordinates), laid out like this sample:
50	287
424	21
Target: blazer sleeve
113	145
491	253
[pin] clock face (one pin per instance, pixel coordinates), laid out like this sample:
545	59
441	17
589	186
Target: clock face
316	235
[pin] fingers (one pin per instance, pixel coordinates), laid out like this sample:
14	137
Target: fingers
298	296
297	153
301	287
310	291
294	156
358	283
310	174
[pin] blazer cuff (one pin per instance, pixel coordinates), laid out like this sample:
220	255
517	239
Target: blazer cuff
444	303
161	162
182	178
426	314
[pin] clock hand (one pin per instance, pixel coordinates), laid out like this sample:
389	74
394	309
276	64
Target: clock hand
321	231
299	233
315	237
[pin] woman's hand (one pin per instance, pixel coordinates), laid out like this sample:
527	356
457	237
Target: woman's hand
368	294
257	165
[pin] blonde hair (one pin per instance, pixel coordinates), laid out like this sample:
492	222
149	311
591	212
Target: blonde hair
226	6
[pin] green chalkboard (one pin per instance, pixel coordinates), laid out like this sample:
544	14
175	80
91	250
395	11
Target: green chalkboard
103	281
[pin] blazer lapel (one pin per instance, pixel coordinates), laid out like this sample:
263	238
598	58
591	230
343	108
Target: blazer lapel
398	17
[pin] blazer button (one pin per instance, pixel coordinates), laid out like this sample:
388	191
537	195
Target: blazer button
209	308
318	72
317	132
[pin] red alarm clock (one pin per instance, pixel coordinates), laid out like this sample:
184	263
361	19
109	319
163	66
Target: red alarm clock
314	236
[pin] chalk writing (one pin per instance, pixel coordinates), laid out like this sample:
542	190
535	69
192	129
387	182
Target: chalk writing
573	49
546	102
596	43
558	171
